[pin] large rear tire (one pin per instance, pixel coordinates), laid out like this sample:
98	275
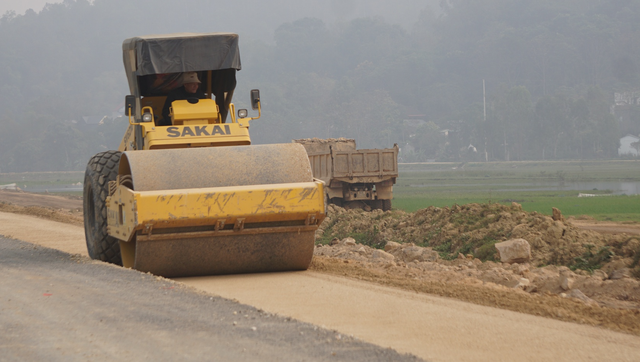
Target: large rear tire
338	201
101	169
386	205
375	204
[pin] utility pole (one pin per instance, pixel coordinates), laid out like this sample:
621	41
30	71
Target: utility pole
506	152
484	100
484	103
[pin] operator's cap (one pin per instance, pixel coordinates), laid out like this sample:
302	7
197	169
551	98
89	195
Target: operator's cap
190	77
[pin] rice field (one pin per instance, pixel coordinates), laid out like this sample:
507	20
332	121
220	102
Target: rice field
611	187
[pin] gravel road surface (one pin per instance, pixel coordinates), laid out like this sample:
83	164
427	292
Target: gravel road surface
60	307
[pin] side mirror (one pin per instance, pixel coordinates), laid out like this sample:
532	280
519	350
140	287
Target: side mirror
255	99
130	106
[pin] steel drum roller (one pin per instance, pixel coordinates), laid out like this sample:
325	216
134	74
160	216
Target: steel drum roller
192	168
184	253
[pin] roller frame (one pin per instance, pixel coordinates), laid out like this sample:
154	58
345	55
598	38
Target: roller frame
219	230
130	211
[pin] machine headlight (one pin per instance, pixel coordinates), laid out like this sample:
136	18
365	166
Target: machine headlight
147	117
242	113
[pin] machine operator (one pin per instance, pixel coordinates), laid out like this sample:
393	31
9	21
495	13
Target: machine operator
189	89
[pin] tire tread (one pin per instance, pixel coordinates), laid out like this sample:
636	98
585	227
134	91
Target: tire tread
102	168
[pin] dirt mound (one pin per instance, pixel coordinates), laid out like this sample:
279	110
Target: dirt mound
324	140
322	145
616	289
73	216
22	198
574	275
474	229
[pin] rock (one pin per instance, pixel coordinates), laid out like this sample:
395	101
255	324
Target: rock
429	254
348	241
521	269
390	245
620	274
566	281
402	225
335	241
557	215
519	230
600	274
514	251
591	283
461	256
555	231
361	250
411	253
382	255
577	294
523	283
415	253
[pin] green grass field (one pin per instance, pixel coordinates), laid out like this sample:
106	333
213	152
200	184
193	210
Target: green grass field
537	186
61	183
41	179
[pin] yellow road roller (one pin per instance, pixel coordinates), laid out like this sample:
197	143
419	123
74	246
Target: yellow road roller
186	193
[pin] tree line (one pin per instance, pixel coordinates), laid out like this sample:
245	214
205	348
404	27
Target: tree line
550	70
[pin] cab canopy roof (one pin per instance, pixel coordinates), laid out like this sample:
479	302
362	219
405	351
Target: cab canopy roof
180	52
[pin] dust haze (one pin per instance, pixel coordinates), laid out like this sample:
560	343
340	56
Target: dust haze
561	79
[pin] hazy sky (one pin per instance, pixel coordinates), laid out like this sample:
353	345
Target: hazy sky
20	6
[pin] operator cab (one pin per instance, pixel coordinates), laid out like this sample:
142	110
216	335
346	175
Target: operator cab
217	85
155	65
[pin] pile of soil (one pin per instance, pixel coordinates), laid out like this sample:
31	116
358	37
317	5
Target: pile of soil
63	214
574	274
57	202
473	230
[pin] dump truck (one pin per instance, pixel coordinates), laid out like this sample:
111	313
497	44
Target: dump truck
193	196
353	176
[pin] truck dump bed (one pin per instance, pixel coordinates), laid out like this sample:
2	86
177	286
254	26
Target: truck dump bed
351	174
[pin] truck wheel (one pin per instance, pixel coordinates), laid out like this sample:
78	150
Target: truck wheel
386	205
101	169
376	204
